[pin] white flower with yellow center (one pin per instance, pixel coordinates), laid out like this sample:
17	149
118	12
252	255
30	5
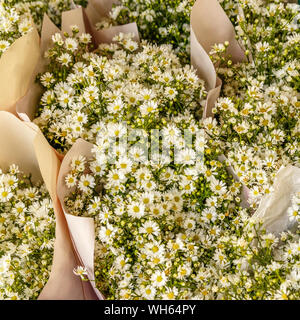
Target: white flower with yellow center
107	233
116	177
116	106
5	194
136	209
150	229
149	292
159	279
148	107
86	183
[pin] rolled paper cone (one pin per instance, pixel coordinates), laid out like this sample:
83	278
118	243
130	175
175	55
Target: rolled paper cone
211	99
245	190
48	29
73	17
16	145
63	284
95	12
82	229
212	26
202	63
107	35
209	26
273	207
98	9
26	107
17	65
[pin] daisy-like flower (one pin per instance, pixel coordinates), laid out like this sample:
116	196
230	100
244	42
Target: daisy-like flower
136	210
116	177
81	272
5	194
149	292
86	182
159	279
64	59
78	163
70	180
150	229
217	186
106	234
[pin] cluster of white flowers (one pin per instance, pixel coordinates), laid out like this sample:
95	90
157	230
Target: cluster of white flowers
169	217
157	221
167	229
37	9
161	21
158	21
265	266
257	117
18	17
12	26
176	231
121	81
27	232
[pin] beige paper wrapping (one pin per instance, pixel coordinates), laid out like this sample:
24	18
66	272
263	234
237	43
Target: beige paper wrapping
98	9
107	35
212	26
202	63
17	145
63	284
73	17
17	66
245	190
273	207
82	229
211	99
209	26
26	107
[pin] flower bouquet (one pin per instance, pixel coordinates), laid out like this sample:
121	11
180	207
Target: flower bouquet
159	191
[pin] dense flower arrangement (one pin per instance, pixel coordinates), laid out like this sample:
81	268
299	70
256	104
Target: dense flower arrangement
171	218
122	81
27	232
161	21
168	230
18	17
157	221
266	267
158	21
257	119
12	26
37	9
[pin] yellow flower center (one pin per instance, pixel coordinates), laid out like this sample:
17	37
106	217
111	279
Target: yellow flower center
149	230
